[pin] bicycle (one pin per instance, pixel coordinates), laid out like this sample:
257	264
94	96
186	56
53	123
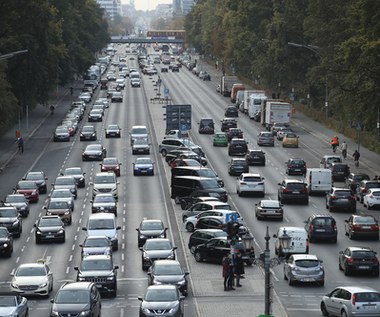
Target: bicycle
356	162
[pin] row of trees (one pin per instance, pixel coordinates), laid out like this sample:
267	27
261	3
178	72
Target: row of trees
339	45
61	36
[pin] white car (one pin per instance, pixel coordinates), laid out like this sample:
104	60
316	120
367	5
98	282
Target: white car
190	222
250	183
372	198
32	279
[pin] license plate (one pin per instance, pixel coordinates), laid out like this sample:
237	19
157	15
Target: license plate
320	230
296	192
308	279
49	237
251	185
270	211
297	170
366	227
256	157
363	267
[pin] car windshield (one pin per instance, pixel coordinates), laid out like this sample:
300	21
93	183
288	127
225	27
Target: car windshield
61	194
148	225
72	296
26	185
373	185
96	224
364	220
342	193
104	179
96	111
58	205
266	135
50	222
161	295
167	270
93	147
73	171
64	181
252	179
3	233
143	161
30	271
4	213
323	222
209	183
295	186
290	135
97	242
206	173
88	129
270	204
363	254
307	263
110	161
153	244
15	199
113	127
96	265
376	193
297	162
61	130
139	131
8	301
32	176
104	199
239	162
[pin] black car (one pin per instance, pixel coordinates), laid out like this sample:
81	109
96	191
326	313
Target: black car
293	190
228	123
238	147
148	229
168	272
161	299
100	270
231	112
78	175
238	166
295	166
206	126
175	68
321	227
10	219
340	199
359	260
77	299
88	133
353	180
339	171
201	236
49	228
104	202
39	178
255	157
156	249
20	202
6	242
94	152
113	131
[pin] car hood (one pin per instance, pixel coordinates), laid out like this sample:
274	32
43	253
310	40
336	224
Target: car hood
57	211
143	165
7	311
168	279
158	253
50	229
29	280
70	308
98	205
96	250
159	305
7	219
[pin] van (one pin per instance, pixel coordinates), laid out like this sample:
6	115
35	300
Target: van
103	224
327	160
299	243
182	186
318	180
235	88
196	171
206	126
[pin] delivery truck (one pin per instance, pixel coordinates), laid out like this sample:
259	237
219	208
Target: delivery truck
226	83
234	90
275	111
255	104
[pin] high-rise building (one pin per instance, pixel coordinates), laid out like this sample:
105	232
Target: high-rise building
186	6
111	7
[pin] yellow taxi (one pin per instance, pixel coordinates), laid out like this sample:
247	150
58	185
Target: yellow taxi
290	140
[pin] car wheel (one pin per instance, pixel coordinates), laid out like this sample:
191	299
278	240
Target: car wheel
198	257
192	249
324	310
376	273
290	282
343	313
38	241
189	227
350	235
164	152
346	271
9	253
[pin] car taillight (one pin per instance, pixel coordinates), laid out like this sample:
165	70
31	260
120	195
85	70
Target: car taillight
303	191
287	190
375	227
356	227
350	260
334	227
311	227
290	165
375	261
333	197
353	299
243	183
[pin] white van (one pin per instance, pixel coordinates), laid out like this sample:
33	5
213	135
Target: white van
299	243
318	180
103	224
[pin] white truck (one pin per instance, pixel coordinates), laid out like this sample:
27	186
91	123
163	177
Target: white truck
243	106
275	111
226	83
255	104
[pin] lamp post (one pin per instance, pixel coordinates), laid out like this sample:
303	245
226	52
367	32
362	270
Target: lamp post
316	50
284	241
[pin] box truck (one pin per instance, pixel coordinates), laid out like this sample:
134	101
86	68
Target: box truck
226	83
255	104
275	111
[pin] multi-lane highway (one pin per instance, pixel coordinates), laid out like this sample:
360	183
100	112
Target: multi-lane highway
150	197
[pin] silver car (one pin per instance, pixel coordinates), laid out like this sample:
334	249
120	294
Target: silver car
348	301
304	268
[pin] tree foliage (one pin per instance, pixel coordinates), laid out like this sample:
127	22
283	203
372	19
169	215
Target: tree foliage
338	48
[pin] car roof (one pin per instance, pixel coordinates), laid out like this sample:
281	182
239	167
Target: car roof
166	262
76	285
209	230
289	180
163	287
101	215
97	257
356	248
34	264
358	289
250	175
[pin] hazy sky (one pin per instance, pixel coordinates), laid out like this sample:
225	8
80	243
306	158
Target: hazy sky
148	4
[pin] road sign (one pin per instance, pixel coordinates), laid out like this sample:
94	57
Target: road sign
178	117
231	217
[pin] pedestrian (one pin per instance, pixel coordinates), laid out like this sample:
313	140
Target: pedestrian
226	269
239	268
356	157
20	144
344	149
231	273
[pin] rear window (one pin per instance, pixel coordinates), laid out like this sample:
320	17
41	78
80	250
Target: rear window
295	186
367	297
323	222
307	263
252	179
363	254
342	193
373	185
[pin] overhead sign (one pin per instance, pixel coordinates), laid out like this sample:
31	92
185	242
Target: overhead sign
178	117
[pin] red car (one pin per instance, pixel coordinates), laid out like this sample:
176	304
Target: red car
364	226
29	189
110	164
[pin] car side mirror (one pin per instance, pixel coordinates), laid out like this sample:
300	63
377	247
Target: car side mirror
84	228
139	298
76	268
140	248
51	300
118	228
181	297
175	248
346	220
275	236
116	267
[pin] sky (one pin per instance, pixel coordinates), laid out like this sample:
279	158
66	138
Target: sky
149	4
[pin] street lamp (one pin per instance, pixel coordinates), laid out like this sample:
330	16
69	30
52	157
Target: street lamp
267	262
316	50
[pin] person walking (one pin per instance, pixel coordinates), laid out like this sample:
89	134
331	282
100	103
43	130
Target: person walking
239	268
356	157
20	144
226	271
231	273
344	149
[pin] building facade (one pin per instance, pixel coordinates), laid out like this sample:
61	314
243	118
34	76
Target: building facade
112	7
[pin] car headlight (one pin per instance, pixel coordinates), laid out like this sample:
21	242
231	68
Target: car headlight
171	256
155	282
61	231
43	284
173	310
142	236
145	310
162	235
81	134
5	245
34	192
182	282
110	278
85	313
14	285
145	256
81	279
15	223
93	134
23	208
67	212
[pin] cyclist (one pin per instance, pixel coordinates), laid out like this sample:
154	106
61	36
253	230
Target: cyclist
356	157
51	110
344	149
334	143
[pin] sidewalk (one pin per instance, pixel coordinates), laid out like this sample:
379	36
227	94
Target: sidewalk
28	125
